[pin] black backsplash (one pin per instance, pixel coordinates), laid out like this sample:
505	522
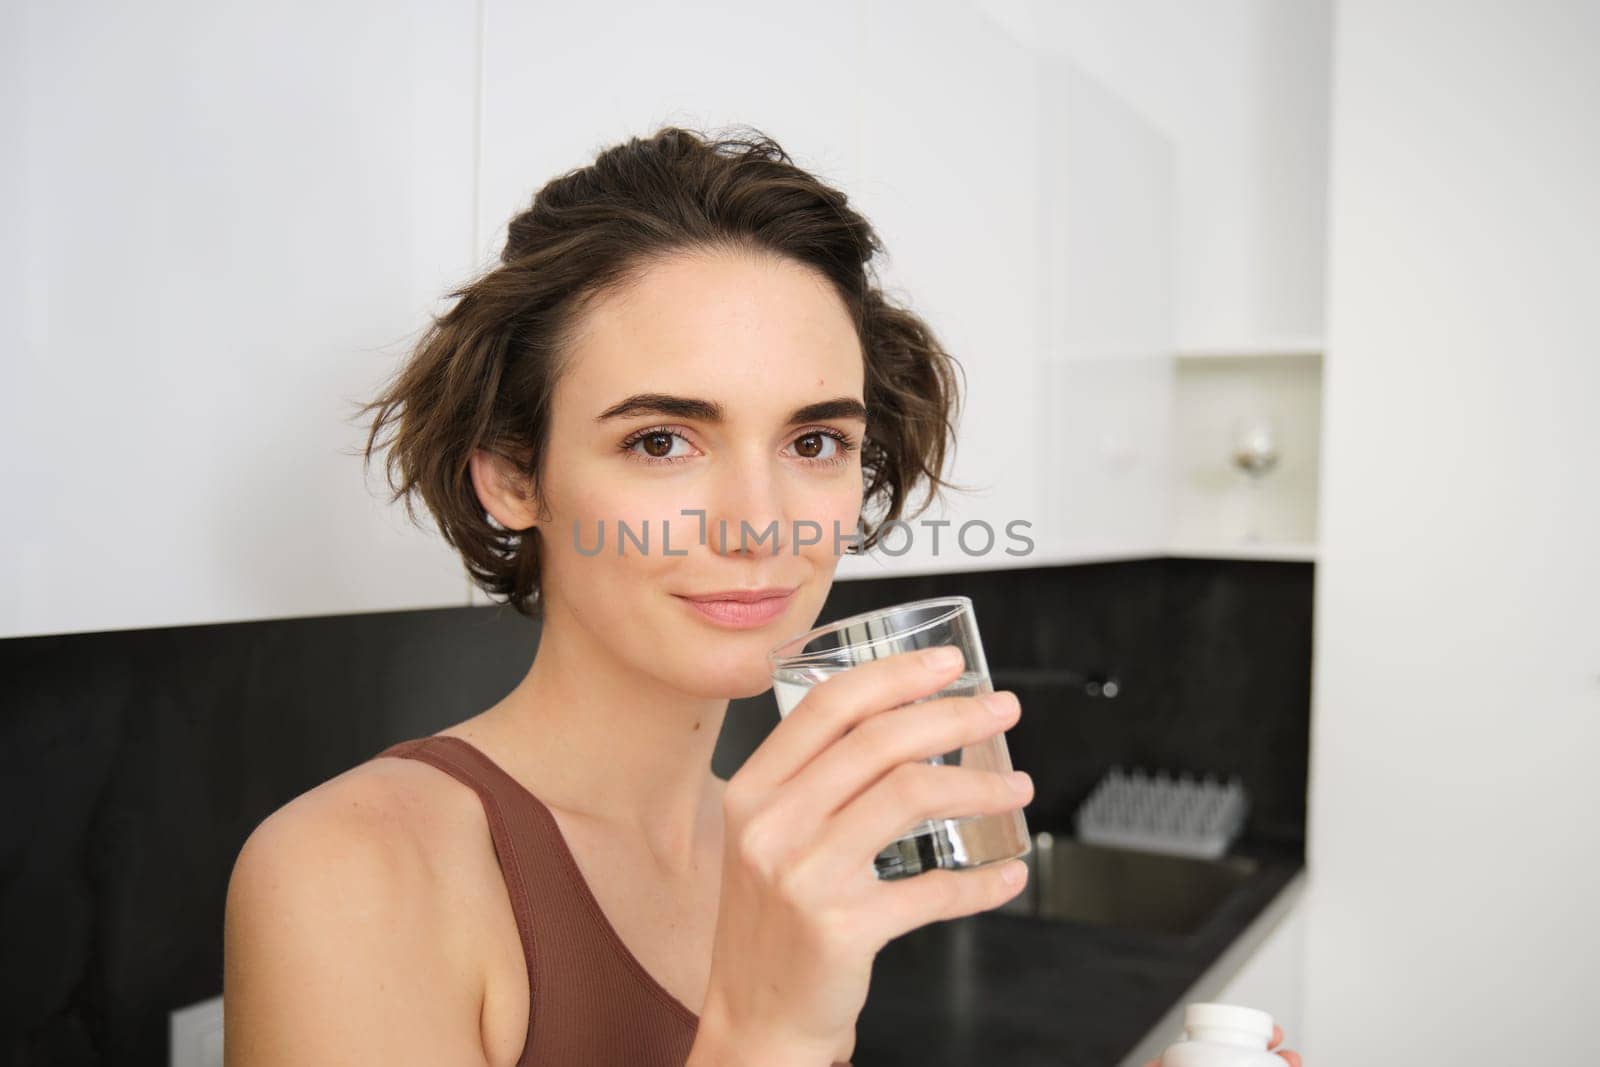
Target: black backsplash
136	762
1211	660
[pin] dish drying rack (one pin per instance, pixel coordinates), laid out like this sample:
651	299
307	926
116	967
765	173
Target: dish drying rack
1178	816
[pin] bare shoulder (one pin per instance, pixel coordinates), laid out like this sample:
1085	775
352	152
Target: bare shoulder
385	823
337	937
401	801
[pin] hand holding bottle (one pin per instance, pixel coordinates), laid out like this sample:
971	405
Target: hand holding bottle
1227	1035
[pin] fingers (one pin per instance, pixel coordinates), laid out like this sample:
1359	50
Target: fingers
1289	1055
909	795
941	894
857	764
832	707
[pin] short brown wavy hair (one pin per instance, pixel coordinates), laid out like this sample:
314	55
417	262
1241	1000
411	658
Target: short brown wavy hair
483	374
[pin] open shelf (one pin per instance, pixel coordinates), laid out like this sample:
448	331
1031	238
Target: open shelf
1214	507
1289	551
1268	347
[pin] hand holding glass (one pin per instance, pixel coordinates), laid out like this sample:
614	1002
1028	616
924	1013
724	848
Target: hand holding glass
813	657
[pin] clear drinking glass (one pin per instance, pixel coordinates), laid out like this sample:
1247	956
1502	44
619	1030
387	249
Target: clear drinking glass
813	657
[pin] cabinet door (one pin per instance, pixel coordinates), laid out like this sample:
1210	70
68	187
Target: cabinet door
224	228
949	168
1104	401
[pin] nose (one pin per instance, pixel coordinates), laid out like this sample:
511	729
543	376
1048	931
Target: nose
747	517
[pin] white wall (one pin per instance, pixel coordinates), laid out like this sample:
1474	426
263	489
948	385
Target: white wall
1456	732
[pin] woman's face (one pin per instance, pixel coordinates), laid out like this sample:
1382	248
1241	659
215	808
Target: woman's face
750	342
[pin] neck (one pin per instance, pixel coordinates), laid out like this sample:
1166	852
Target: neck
617	746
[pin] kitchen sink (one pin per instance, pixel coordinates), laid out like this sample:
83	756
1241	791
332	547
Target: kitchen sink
1072	881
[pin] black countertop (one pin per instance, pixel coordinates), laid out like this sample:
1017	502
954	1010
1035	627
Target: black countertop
1014	990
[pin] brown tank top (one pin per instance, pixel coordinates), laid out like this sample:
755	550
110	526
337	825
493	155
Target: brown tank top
590	999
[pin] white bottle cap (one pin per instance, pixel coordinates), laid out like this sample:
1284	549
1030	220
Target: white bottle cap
1247	1021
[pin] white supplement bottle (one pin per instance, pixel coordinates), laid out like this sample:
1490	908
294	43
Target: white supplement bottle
1223	1035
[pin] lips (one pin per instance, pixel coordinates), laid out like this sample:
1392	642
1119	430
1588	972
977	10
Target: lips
740	609
743	596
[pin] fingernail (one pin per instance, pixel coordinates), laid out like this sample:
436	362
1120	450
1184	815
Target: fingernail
1001	703
942	658
1020	781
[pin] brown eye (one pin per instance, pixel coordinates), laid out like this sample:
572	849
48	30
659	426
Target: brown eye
657	444
809	445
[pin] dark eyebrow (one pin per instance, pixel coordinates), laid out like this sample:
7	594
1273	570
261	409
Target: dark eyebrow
686	407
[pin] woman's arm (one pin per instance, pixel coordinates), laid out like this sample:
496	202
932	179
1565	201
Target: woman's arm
333	950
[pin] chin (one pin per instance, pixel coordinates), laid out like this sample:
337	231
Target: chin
740	684
735	675
754	688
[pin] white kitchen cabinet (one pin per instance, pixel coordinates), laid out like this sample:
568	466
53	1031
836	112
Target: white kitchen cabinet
949	173
224	226
227	233
1103	400
1242	87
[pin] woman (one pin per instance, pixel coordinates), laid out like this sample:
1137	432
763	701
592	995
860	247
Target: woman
682	339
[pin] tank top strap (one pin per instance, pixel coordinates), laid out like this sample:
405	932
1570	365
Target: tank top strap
516	831
590	999
582	978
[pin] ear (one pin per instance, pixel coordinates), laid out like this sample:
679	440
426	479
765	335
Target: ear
502	490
